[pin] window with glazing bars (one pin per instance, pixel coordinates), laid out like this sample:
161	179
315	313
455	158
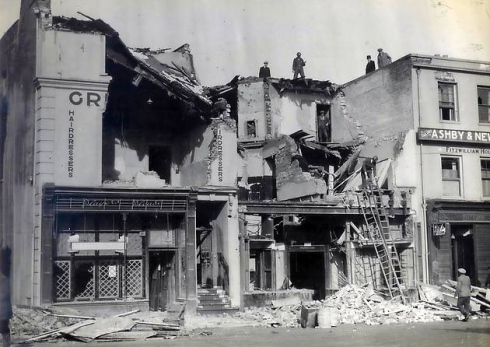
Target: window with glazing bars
485	177
484	104
451	177
447	102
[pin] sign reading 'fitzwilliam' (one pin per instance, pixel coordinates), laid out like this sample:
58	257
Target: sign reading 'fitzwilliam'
448	135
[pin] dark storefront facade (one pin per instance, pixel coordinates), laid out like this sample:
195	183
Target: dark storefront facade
460	237
119	245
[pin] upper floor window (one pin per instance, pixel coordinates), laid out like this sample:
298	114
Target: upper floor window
451	176
447	102
484	104
485	177
251	128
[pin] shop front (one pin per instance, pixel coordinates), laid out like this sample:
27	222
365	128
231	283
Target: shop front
119	245
459	236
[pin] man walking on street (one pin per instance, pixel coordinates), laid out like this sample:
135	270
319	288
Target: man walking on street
463	291
5	303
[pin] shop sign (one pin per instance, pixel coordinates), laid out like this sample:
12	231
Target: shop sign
469	136
108	204
439	229
462	150
78	137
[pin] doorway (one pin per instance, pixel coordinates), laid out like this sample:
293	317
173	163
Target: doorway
307	271
462	245
205	258
162	279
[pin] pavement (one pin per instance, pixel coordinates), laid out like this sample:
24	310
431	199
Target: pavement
475	332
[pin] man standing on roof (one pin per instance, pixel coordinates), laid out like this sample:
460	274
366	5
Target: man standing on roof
463	292
298	64
264	71
368	172
383	58
370	67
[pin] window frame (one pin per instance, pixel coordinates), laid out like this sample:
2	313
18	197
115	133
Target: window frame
482	105
483	179
446	105
250	121
458	179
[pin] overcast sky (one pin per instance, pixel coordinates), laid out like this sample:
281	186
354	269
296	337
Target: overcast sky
234	37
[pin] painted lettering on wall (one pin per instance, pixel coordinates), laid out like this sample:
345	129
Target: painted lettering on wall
430	134
71	142
220	155
459	150
89	98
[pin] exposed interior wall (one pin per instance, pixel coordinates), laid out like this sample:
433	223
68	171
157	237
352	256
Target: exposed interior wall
292	112
18	70
375	106
208	156
251	108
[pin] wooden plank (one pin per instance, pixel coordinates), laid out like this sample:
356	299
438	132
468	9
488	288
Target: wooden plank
127	313
102	327
71	316
161	325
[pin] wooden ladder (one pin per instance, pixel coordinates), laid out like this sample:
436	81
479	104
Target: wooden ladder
378	227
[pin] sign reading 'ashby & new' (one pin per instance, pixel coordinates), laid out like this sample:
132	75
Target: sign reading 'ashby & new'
431	134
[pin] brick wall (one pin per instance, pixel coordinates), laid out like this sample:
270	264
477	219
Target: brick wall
374	106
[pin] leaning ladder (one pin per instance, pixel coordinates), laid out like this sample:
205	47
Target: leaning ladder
379	230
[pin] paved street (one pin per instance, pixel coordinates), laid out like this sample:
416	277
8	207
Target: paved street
441	334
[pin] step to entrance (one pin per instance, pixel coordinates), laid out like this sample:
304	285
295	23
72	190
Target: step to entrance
212	301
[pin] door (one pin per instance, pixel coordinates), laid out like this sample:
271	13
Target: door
205	258
162	279
463	250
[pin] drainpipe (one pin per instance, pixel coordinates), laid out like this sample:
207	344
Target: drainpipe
423	230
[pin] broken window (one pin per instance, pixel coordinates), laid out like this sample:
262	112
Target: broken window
451	177
323	122
485	177
484	104
447	102
251	128
160	161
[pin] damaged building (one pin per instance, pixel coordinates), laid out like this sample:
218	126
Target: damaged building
428	117
108	195
301	204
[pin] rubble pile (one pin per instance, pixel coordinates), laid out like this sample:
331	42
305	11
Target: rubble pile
39	324
34	321
357	305
350	305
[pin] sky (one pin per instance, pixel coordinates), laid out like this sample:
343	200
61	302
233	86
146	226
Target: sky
234	37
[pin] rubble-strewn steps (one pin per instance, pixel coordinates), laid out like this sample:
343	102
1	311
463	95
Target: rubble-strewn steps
213	301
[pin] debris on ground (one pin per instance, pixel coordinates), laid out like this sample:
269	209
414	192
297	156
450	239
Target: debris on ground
40	324
349	305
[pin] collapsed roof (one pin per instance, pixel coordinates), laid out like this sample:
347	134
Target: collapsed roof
176	80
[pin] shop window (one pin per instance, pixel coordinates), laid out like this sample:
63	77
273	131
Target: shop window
447	102
323	122
451	176
484	105
485	177
160	161
251	128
